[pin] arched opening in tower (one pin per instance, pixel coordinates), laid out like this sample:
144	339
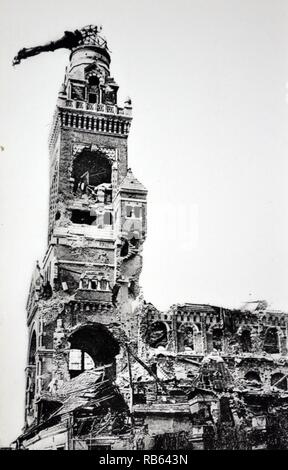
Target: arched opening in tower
92	346
90	169
253	378
93	89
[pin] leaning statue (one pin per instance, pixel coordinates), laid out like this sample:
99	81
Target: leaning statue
70	40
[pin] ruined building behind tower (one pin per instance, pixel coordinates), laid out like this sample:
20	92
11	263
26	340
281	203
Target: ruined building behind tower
106	369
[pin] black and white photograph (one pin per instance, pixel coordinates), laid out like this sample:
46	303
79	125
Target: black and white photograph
144	227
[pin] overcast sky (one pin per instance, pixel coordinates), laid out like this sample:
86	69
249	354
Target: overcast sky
207	80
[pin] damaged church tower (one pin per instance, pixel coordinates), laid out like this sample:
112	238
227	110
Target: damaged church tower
105	369
79	310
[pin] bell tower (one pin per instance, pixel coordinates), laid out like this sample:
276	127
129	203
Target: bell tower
79	310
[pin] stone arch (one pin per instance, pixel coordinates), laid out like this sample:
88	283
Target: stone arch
157	334
186	336
253	376
96	341
279	381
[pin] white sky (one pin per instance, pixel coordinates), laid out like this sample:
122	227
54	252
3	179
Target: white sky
209	141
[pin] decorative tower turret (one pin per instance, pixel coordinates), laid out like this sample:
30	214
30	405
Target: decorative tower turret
79	310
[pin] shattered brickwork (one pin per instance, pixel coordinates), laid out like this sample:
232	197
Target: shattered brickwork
106	369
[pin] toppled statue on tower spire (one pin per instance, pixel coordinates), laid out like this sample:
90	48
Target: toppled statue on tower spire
88	35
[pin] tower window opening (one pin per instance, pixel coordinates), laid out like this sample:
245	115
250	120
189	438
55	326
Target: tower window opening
94	285
93	89
78	92
93	80
92	98
90	169
82	217
84	284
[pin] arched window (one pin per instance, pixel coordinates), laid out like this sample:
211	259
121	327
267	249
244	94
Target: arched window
97	343
253	376
93	89
279	380
271	341
157	334
89	170
246	341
